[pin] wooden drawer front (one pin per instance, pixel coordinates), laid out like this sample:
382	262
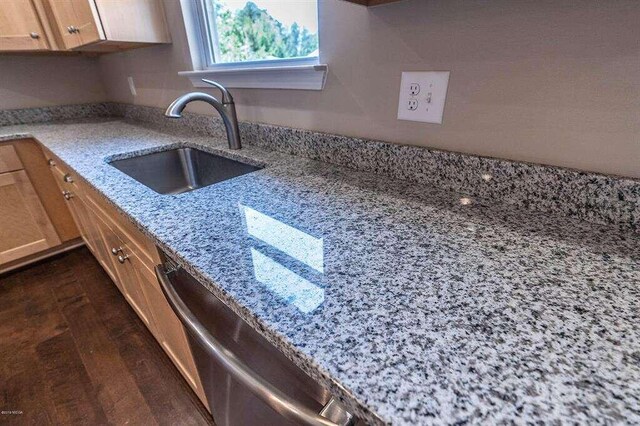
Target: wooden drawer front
52	160
57	166
9	160
58	172
25	227
58	176
129	280
95	231
143	246
79	211
65	179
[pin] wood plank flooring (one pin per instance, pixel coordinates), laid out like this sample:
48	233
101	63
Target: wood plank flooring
72	351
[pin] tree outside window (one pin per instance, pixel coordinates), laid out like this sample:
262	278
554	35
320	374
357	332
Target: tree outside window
247	31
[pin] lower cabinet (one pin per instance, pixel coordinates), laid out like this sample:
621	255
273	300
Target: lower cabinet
93	230
34	221
129	258
28	229
169	330
126	265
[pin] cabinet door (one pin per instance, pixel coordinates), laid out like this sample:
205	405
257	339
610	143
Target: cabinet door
20	27
94	235
77	22
87	23
126	279
25	227
9	160
170	332
140	21
76	208
133	287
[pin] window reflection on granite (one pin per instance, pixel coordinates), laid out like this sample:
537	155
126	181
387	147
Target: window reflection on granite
287	239
296	290
293	288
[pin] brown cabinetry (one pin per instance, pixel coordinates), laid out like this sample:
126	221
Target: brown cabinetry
86	25
170	332
21	27
76	22
26	228
129	257
107	25
34	222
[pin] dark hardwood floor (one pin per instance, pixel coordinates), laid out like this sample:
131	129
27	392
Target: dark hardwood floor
73	352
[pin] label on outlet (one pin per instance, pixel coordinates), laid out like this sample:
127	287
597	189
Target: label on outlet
422	96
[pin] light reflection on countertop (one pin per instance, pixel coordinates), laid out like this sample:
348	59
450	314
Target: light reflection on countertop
301	246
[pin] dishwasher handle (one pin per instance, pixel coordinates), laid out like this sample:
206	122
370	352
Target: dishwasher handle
264	390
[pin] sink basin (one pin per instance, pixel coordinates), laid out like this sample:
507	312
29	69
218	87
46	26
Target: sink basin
180	170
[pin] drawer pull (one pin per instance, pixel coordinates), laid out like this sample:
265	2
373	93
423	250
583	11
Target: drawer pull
67	178
115	251
123	258
50	162
67	195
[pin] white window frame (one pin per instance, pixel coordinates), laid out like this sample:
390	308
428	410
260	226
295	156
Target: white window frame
293	73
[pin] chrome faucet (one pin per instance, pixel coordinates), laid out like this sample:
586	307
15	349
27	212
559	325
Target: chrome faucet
226	108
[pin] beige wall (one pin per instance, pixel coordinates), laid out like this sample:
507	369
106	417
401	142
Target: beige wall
547	81
34	81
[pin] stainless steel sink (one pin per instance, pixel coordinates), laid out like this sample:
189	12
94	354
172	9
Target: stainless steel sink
180	170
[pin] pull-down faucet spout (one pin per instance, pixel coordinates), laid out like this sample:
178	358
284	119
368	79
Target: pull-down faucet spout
226	108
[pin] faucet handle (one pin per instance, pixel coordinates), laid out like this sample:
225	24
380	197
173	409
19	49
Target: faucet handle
226	96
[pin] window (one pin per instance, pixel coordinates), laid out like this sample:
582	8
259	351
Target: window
254	43
241	31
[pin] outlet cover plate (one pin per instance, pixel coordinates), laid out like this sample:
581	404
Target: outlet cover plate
422	96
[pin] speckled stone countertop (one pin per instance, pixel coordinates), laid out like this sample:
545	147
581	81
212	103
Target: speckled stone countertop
407	304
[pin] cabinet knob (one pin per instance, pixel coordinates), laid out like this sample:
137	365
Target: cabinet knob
115	251
72	29
34	35
51	162
123	258
67	195
67	178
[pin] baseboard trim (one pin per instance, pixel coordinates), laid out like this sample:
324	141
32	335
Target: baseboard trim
63	248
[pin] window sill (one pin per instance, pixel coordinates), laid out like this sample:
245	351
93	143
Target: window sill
297	77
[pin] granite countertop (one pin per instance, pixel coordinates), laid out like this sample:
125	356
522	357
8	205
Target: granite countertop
412	307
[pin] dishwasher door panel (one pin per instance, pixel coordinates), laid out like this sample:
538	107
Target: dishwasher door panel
231	403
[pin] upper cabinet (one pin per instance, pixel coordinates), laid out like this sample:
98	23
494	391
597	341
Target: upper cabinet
77	22
81	25
20	27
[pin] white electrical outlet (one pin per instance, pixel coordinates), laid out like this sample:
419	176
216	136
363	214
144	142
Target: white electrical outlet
132	86
422	96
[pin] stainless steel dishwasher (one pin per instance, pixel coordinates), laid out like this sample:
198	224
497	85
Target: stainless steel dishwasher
247	381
